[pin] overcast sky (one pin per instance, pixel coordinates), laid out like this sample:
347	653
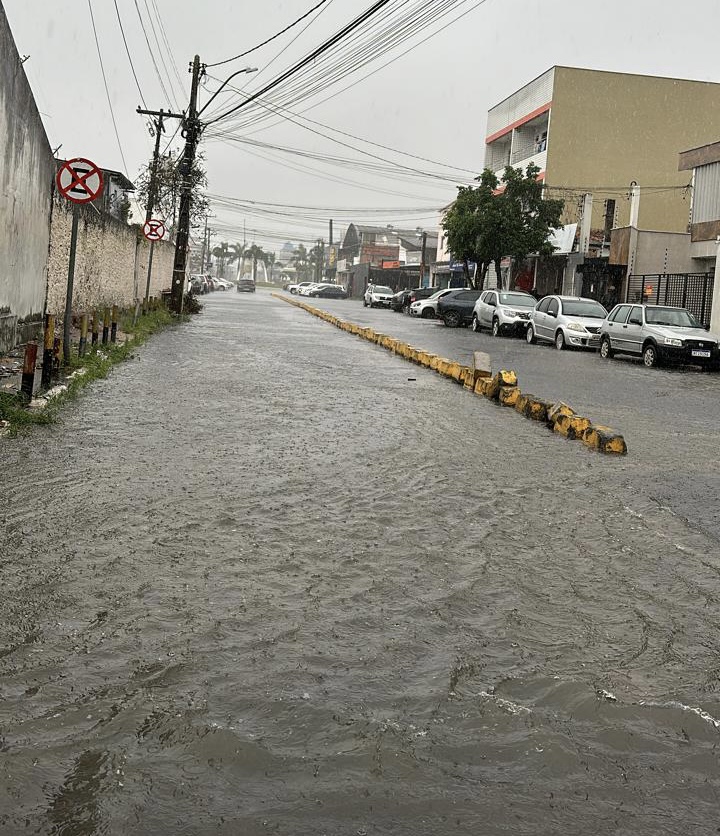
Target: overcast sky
431	102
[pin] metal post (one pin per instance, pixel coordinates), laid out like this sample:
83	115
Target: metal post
114	324
83	335
28	372
48	354
150	263
67	320
422	259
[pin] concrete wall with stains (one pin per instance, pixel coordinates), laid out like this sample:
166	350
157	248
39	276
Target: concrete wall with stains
110	262
26	176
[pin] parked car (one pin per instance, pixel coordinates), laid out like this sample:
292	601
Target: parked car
503	311
400	300
245	285
658	333
456	308
299	287
427	308
567	321
329	291
377	295
198	285
305	291
222	284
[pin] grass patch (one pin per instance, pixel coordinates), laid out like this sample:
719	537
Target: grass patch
96	364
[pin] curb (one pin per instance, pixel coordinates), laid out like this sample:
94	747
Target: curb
501	386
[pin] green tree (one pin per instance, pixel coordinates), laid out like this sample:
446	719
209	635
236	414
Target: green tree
316	260
256	253
169	181
300	261
500	218
222	255
237	255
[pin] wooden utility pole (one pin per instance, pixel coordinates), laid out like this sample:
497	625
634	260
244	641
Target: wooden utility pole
423	253
182	237
153	185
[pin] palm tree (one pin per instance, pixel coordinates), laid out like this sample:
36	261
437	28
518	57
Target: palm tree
301	262
256	253
221	253
238	255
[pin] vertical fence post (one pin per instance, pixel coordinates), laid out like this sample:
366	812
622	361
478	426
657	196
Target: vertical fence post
83	335
48	343
28	373
95	327
114	324
57	356
106	326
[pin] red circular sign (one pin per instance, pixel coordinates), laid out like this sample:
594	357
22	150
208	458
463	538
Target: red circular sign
80	180
154	230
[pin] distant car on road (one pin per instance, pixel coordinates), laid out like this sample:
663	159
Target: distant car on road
427	308
503	312
377	295
245	286
222	284
658	333
329	291
298	288
456	308
566	321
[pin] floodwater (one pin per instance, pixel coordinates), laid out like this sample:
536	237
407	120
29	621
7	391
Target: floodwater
268	578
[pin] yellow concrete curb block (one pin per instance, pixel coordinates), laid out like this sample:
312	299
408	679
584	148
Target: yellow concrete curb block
502	386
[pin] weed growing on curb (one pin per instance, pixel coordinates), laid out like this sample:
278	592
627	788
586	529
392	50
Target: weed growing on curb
96	364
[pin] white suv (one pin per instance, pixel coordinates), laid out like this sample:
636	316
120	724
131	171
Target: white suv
503	311
378	294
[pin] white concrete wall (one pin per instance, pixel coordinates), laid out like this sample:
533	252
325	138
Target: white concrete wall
26	175
110	263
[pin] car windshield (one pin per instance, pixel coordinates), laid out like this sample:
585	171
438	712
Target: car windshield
673	317
517	300
583	307
381	289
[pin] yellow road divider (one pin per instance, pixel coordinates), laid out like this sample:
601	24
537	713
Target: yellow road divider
501	386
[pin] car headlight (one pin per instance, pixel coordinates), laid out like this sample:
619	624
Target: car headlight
575	326
508	313
672	341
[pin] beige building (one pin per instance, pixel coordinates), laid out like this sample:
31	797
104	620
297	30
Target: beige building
594	132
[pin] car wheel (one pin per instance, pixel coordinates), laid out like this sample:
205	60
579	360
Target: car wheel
530	335
452	319
606	351
428	313
560	341
476	324
650	355
495	328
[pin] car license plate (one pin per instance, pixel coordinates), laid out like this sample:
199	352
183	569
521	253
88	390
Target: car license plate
700	353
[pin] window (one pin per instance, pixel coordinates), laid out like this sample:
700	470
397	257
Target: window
636	316
543	305
553	307
620	314
468	296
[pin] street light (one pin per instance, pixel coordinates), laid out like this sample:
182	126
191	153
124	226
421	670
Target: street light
224	84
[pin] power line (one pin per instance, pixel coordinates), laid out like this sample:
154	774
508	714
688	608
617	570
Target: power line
324	47
107	90
127	50
152	57
268	40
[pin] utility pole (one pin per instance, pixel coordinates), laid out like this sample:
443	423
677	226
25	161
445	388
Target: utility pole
182	237
204	247
153	185
422	259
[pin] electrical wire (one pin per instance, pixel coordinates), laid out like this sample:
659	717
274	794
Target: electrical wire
161	51
107	89
316	53
168	98
127	50
272	38
163	32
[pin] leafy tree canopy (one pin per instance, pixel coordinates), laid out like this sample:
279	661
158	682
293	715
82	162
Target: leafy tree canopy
500	218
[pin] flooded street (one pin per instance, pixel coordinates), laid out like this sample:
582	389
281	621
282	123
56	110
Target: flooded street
269	578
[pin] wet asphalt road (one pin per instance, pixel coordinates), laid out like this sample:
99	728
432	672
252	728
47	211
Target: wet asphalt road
670	417
259	581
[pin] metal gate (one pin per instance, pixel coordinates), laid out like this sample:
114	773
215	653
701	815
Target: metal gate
683	290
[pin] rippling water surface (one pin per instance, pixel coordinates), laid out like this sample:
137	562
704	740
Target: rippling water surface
259	581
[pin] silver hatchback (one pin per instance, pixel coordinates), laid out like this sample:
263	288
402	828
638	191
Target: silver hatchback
658	333
566	321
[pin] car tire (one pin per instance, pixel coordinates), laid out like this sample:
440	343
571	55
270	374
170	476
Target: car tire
428	313
477	328
530	337
605	349
451	319
495	328
650	355
560	341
